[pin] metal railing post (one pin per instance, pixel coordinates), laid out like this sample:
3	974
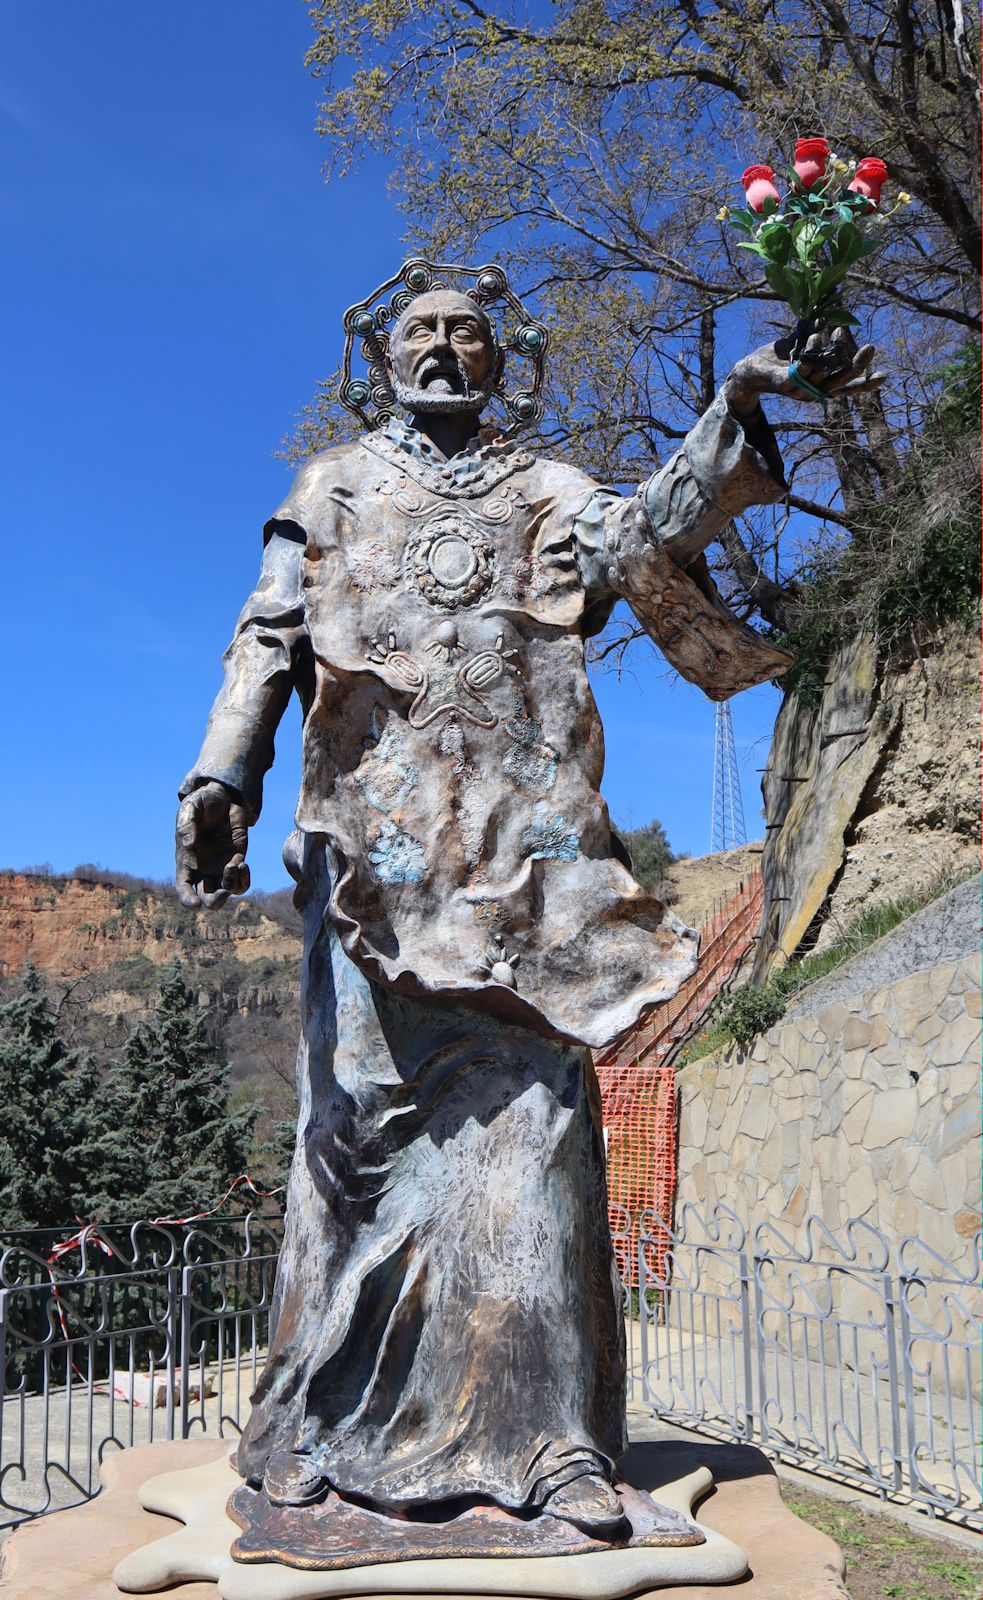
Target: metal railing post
747	1343
173	1341
643	1328
759	1414
186	1272
892	1333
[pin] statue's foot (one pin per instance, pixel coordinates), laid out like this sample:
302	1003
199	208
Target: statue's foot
292	1480
591	1504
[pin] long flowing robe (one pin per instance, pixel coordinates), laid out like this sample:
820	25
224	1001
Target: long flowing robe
447	1319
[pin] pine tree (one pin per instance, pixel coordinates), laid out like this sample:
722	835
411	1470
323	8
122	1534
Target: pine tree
651	854
177	1144
53	1123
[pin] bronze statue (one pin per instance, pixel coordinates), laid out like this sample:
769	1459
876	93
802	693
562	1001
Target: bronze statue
448	1326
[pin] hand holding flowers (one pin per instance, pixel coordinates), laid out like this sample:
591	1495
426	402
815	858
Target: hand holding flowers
810	239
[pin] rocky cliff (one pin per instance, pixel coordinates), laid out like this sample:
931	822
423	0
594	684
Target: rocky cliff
873	795
101	945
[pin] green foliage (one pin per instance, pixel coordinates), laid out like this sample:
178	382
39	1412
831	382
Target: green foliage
914	562
651	853
52	1122
749	1011
739	1018
962	392
175	1144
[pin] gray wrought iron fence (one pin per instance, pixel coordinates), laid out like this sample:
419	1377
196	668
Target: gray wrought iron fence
133	1335
849	1355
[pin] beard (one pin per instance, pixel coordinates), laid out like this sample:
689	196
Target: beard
445	393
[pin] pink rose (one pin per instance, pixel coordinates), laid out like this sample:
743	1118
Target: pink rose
759	186
811	156
871	173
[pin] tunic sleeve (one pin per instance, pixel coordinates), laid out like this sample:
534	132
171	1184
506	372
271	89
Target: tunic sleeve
262	665
648	551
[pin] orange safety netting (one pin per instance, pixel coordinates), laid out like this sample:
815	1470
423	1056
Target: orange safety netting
637	1081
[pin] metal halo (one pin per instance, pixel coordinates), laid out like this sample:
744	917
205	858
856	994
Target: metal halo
367	326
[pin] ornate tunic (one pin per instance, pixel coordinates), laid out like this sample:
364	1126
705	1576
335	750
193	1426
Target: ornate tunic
432	616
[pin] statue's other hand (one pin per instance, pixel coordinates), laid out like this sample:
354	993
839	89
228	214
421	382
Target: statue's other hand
828	366
210	847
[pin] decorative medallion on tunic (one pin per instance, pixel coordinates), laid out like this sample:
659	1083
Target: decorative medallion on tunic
450	562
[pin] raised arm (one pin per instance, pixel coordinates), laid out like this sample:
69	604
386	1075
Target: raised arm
653	543
223	793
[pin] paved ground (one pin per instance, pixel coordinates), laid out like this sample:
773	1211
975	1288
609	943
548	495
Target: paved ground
74	1430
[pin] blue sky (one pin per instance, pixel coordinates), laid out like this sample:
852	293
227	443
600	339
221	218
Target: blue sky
173	281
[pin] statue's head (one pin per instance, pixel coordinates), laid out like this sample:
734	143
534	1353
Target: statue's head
430	347
444	354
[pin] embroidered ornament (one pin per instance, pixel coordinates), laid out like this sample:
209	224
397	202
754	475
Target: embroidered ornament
449	562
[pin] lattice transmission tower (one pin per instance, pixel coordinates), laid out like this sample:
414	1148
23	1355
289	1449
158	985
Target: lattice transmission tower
727	829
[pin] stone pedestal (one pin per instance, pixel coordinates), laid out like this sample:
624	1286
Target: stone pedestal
73	1553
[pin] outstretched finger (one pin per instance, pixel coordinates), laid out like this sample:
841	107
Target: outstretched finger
864	385
855	370
859	364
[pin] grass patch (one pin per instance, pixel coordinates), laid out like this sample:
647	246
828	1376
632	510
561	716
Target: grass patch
885	1559
740	1017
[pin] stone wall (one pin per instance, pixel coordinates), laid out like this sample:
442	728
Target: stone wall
863	1105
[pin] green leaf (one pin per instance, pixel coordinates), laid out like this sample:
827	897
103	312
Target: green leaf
776	242
744	220
847	245
838	318
790	285
753	246
830	276
808	240
797	204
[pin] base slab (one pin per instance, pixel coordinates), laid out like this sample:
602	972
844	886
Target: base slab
74	1552
199	1498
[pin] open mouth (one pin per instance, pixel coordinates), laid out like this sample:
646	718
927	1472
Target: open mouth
441	378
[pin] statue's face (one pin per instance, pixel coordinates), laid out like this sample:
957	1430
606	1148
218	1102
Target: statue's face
443	354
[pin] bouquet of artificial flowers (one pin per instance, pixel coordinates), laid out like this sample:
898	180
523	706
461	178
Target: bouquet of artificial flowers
810	238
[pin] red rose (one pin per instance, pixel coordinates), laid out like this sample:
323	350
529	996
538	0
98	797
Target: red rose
811	156
871	173
759	186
